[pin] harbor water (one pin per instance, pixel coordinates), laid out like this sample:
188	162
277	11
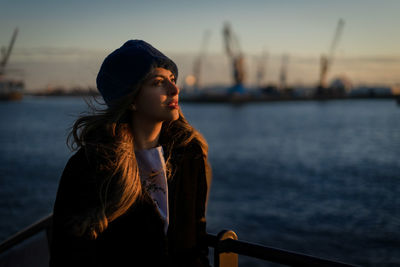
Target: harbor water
321	178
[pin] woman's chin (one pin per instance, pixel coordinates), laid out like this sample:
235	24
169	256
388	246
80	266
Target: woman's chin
174	115
170	116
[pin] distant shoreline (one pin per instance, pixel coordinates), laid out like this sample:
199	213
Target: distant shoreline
226	98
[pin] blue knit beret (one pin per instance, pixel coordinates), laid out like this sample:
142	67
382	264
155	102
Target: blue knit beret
127	66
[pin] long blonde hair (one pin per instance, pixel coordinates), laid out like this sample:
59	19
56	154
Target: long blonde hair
106	136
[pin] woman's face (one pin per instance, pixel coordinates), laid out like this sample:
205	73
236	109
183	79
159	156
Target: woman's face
157	99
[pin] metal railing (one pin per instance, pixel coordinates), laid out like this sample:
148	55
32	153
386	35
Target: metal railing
226	246
41	225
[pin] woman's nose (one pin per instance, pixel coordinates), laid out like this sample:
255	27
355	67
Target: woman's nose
173	89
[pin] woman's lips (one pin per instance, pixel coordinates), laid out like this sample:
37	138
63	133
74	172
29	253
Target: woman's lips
173	104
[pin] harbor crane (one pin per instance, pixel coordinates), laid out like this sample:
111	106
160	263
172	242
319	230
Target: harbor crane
10	89
261	68
6	52
283	72
235	54
199	59
326	61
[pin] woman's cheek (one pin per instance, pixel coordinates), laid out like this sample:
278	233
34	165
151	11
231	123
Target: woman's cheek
157	103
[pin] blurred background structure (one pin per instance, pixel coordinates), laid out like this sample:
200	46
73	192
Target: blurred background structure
63	44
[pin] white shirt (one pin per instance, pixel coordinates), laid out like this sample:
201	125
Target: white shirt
153	176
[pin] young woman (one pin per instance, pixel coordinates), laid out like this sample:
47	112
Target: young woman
135	192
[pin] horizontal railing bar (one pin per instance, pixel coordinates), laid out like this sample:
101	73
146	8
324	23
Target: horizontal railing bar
25	233
270	254
228	245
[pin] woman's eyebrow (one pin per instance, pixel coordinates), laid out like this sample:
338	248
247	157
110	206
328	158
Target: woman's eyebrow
162	76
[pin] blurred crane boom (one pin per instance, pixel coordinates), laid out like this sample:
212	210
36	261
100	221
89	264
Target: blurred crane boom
6	52
233	51
199	59
327	60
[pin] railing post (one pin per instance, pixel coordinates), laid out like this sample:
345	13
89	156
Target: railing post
225	259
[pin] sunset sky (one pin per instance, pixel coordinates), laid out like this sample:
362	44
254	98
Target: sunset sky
64	42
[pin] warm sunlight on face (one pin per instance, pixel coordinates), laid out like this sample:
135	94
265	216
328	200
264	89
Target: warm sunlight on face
158	97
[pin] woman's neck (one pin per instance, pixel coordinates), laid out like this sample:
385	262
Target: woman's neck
146	133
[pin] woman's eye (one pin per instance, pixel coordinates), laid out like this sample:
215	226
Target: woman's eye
158	82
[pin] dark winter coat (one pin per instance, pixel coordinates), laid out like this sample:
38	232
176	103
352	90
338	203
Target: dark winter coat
137	237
